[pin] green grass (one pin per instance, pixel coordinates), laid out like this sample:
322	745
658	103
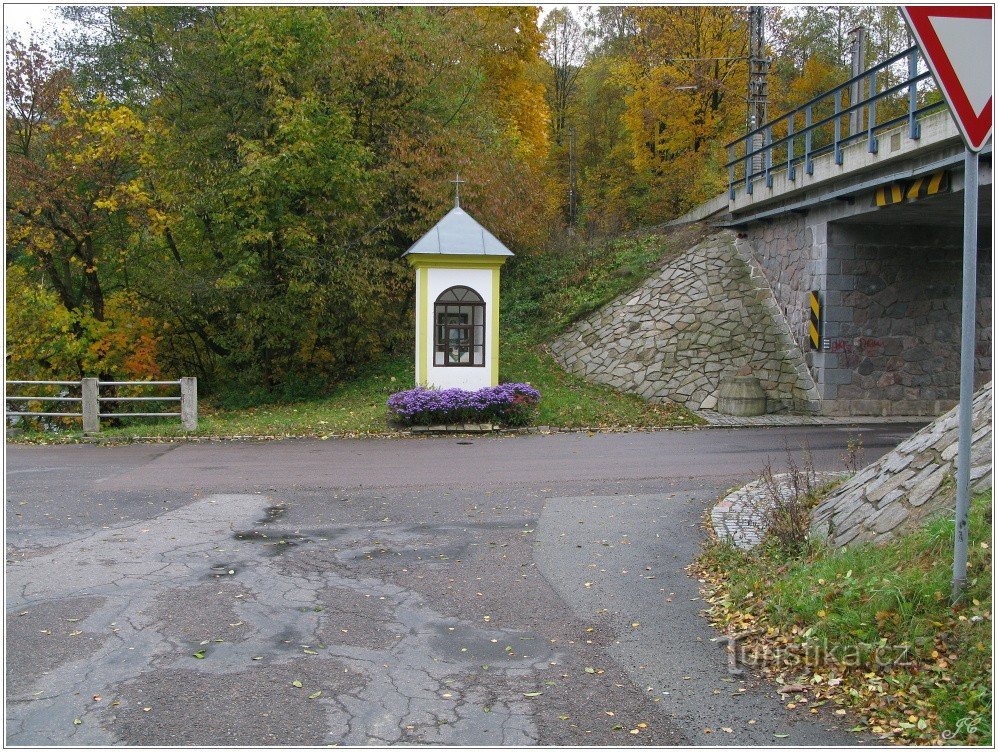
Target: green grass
895	594
570	401
358	406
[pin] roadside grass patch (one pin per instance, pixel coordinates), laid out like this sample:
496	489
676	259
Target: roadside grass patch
870	628
569	401
358	407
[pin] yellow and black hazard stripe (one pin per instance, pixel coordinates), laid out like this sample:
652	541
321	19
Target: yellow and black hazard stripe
912	190
814	326
928	185
890	194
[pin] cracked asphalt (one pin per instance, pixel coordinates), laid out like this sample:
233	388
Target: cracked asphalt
507	591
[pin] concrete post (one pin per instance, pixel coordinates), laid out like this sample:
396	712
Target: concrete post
91	406
189	403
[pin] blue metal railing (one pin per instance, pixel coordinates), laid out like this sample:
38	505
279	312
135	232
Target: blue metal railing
757	155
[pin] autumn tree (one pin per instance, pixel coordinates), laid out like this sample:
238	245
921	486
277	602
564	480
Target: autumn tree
303	149
75	194
687	75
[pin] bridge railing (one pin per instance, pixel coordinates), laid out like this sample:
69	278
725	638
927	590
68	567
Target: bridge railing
821	126
93	406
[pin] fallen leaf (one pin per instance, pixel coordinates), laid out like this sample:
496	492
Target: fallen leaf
296	683
315	695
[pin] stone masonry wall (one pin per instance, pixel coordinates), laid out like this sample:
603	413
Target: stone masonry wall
892	318
707	314
909	484
891	296
785	250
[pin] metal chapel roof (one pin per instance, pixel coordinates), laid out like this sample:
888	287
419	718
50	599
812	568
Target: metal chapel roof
459	233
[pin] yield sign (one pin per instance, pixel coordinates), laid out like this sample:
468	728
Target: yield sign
957	43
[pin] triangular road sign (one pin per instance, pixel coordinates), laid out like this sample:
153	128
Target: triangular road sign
957	43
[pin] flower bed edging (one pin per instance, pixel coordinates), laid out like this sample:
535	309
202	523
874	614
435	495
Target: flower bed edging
455	428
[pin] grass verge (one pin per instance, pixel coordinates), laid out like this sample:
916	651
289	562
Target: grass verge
358	408
542	295
869	628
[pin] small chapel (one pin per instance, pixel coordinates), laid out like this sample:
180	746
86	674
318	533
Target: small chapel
457	267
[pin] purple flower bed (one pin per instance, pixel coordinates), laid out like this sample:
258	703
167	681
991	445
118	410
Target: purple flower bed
506	404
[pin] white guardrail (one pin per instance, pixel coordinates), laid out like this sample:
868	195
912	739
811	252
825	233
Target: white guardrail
93	407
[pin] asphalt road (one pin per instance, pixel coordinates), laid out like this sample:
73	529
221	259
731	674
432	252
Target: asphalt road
384	591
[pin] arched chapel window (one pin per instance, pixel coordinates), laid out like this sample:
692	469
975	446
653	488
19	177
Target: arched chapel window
459	331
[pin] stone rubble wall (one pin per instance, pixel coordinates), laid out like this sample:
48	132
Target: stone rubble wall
915	481
705	315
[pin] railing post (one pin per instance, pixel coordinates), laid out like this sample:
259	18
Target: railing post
791	172
748	164
731	172
871	113
189	403
914	129
808	165
768	156
838	127
91	406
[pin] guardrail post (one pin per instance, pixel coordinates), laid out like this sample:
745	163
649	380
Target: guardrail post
768	162
871	113
838	127
791	171
91	406
808	164
731	172
189	403
914	129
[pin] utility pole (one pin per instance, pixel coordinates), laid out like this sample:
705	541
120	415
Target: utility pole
571	176
857	64
758	85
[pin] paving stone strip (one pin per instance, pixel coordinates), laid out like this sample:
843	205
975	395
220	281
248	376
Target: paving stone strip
740	517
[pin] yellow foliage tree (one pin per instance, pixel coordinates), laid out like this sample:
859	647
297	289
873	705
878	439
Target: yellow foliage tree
686	74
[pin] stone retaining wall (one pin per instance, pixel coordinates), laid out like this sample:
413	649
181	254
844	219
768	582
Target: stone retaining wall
707	314
909	484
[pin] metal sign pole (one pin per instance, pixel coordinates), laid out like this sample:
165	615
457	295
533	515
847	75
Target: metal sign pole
967	348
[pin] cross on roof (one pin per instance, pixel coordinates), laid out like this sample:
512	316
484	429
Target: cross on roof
457	188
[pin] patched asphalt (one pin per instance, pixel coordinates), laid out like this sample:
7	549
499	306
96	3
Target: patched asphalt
417	591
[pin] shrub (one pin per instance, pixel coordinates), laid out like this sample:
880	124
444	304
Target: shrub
506	404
